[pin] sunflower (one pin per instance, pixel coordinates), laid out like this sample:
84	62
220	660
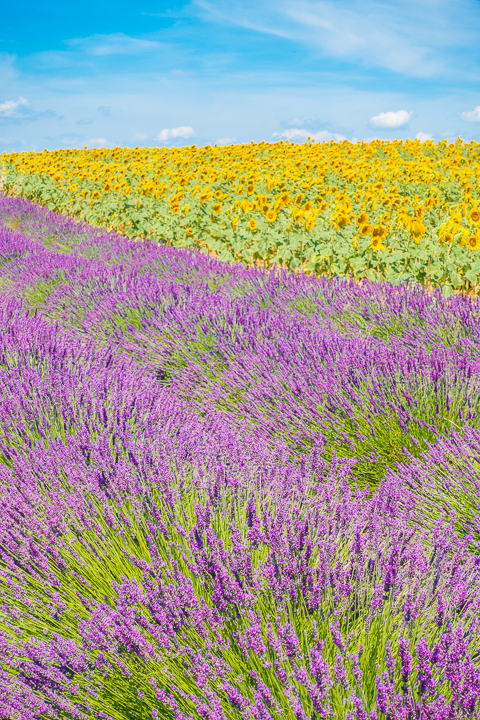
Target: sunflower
418	230
95	195
175	209
376	243
308	206
379	231
264	208
420	212
362	219
474	216
218	194
188	232
365	230
252	223
474	242
271	216
343	220
310	224
217	208
298	199
446	237
250	188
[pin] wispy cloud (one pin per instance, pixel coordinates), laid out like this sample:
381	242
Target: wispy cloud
472	115
391	119
408	37
84	121
114	44
140	136
172	133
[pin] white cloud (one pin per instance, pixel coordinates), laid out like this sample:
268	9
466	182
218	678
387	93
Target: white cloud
140	136
9	108
97	141
171	133
473	115
391	119
293	133
226	141
178	72
423	136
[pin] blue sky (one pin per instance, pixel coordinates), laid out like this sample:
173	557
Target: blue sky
220	71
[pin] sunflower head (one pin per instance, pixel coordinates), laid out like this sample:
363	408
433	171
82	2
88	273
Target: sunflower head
418	230
362	219
189	232
380	232
218	194
271	215
95	195
446	237
310	224
175	209
376	243
343	220
365	230
250	188
308	206
474	216
474	242
217	208
252	224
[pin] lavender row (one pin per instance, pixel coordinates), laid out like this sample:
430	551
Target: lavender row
373	372
180	540
154	564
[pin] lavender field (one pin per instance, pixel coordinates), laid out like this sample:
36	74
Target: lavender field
227	493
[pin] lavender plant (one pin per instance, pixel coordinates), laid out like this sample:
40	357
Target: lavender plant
226	494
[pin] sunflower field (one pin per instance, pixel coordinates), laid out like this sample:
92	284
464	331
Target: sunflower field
395	211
